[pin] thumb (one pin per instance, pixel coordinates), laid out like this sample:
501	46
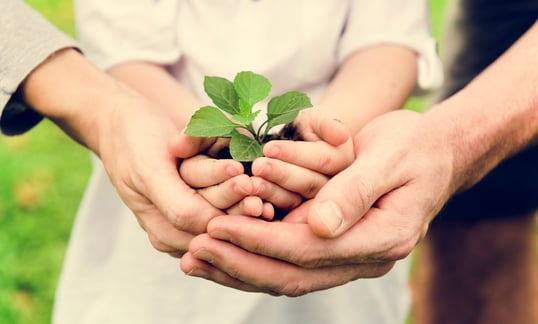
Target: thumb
315	124
344	200
184	146
177	202
332	131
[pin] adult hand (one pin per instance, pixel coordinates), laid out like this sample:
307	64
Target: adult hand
366	217
129	134
304	167
134	152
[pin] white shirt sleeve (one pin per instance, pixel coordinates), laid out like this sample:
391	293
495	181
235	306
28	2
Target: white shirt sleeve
113	32
404	22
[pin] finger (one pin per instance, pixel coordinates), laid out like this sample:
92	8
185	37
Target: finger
202	171
248	206
318	156
252	206
289	176
274	194
315	124
184	146
379	237
198	268
365	181
332	131
268	212
299	214
183	207
292	242
271	275
163	236
228	193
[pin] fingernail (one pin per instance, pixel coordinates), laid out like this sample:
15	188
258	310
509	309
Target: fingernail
204	254
330	215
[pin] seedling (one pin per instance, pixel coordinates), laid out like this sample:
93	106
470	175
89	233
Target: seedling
233	116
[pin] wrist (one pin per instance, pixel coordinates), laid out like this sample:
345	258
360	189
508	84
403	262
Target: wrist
73	94
481	131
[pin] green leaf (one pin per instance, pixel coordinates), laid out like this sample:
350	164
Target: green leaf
284	108
209	122
244	148
246	120
244	108
222	93
251	87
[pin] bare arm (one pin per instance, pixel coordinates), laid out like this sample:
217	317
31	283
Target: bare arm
370	82
496	115
155	83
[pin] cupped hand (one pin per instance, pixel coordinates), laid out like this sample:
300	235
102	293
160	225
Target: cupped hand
129	134
326	150
133	149
247	263
363	220
223	184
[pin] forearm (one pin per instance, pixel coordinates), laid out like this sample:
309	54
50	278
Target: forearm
74	94
27	40
156	84
495	116
370	82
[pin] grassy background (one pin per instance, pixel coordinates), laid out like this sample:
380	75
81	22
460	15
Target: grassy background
42	179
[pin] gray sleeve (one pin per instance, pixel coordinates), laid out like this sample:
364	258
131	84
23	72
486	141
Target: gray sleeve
27	40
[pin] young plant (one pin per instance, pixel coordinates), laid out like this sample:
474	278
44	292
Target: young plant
234	111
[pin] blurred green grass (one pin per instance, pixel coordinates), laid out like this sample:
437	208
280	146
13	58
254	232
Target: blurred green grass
42	179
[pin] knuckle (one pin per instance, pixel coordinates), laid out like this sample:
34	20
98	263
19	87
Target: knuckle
309	261
159	244
177	254
186	217
382	269
325	163
401	250
311	189
362	194
295	288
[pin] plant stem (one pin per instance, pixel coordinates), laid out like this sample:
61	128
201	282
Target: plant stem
260	129
251	130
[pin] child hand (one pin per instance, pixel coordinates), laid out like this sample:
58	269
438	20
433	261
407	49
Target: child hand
304	167
223	184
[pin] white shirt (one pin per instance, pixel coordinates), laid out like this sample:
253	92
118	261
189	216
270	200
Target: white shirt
111	272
